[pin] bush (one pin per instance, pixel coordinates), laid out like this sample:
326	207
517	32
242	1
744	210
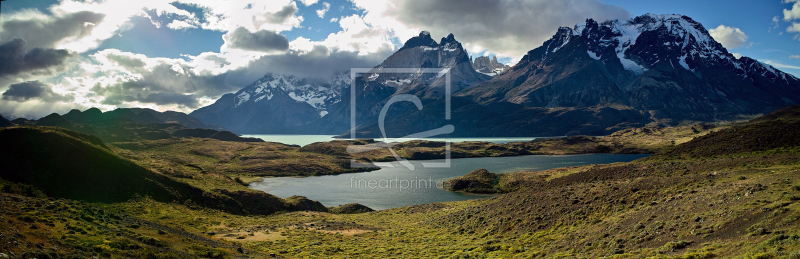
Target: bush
22	189
759	256
207	252
674	245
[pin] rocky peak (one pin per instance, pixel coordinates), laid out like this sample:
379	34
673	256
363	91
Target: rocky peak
423	40
488	66
450	39
644	42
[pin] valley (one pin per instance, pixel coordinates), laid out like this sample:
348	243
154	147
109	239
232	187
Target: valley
728	192
399	129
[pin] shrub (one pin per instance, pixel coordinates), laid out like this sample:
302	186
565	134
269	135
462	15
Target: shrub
674	245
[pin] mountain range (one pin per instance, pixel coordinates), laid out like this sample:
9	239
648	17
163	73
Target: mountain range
131	124
276	103
591	79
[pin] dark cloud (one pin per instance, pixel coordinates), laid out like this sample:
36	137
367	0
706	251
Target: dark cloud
278	17
503	26
262	40
166	84
130	63
319	62
14	59
218	60
47	31
185	100
30	90
283	14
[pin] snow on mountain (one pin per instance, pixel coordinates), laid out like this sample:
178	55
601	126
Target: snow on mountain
681	38
318	94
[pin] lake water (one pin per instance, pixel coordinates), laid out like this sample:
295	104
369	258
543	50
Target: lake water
392	187
303	140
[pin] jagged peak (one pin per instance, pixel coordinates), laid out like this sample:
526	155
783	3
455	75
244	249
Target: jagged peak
449	39
422	40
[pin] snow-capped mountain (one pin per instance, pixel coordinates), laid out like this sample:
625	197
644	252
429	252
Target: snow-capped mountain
599	77
424	52
316	93
375	87
593	78
275	103
646	40
667	67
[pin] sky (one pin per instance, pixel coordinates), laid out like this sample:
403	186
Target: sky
58	55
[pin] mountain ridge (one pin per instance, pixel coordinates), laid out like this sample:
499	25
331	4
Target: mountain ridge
626	63
591	79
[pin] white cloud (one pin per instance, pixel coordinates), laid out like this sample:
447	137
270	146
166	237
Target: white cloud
775	23
334	19
325	7
356	36
178	25
794	28
794	13
779	65
737	55
117	13
274	15
308	2
794	57
729	37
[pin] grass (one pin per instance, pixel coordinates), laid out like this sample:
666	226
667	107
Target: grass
641	211
730	194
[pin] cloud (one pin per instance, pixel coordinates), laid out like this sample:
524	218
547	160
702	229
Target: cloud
126	61
794	57
34	90
265	41
775	23
166	83
729	37
185	100
356	36
792	14
274	15
45	31
737	55
334	19
308	2
16	59
123	79
319	62
179	25
283	15
794	28
780	65
325	7
507	27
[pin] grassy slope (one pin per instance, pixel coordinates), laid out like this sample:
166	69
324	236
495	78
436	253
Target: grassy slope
211	163
72	165
68	164
740	203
